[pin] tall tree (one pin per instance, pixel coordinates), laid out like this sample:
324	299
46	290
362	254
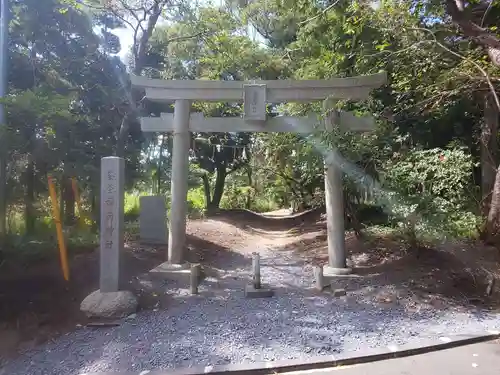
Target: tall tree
222	51
478	22
65	101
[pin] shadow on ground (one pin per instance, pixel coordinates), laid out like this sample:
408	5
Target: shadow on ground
212	254
36	303
234	335
448	275
246	219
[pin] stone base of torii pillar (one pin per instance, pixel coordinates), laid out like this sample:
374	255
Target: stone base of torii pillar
171	271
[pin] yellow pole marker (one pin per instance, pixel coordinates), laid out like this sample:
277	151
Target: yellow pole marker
60	237
81	218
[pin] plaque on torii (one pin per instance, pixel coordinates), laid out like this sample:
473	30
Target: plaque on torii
255	96
254	102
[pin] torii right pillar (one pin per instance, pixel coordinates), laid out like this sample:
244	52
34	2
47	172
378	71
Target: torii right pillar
334	202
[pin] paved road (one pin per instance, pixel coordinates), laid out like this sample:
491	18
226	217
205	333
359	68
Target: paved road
480	359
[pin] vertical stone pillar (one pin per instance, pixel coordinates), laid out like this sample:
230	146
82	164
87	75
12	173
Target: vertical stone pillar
318	277
194	278
256	270
180	166
334	202
111	241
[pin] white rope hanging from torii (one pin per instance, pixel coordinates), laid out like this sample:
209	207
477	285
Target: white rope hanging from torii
218	146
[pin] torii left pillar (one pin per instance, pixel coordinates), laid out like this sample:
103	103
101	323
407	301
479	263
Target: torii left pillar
179	184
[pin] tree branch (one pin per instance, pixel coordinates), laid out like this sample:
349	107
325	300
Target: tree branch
319	14
483	72
139	58
455	9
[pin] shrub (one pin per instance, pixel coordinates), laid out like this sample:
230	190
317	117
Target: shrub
430	192
132	207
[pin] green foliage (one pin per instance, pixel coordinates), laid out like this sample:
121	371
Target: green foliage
131	207
444	174
68	96
245	197
214	45
64	106
430	190
196	200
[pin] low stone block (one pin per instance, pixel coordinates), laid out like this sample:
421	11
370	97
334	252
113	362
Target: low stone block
339	292
263	292
109	304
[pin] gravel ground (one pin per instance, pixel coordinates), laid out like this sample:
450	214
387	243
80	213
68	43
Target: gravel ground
220	326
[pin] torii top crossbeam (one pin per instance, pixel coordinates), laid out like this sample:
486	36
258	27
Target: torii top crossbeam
278	91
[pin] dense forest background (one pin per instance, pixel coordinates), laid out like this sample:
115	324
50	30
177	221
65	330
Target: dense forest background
430	166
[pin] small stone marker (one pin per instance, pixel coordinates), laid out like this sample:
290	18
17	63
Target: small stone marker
255	290
108	301
318	277
195	278
153	220
256	270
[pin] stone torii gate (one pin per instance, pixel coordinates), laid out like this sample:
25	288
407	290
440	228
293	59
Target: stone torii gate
255	96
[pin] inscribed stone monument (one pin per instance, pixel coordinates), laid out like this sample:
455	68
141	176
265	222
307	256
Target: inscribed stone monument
152	220
109	301
112	201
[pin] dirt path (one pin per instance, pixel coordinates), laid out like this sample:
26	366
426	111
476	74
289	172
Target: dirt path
396	297
37	305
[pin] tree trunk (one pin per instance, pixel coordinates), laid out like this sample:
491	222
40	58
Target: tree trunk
122	137
3	199
29	198
489	151
220	179
69	202
248	203
140	53
493	221
94	208
206	189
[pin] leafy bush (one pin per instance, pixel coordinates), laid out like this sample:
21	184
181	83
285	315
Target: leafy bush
437	172
430	192
236	197
245	197
132	207
264	204
196	202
